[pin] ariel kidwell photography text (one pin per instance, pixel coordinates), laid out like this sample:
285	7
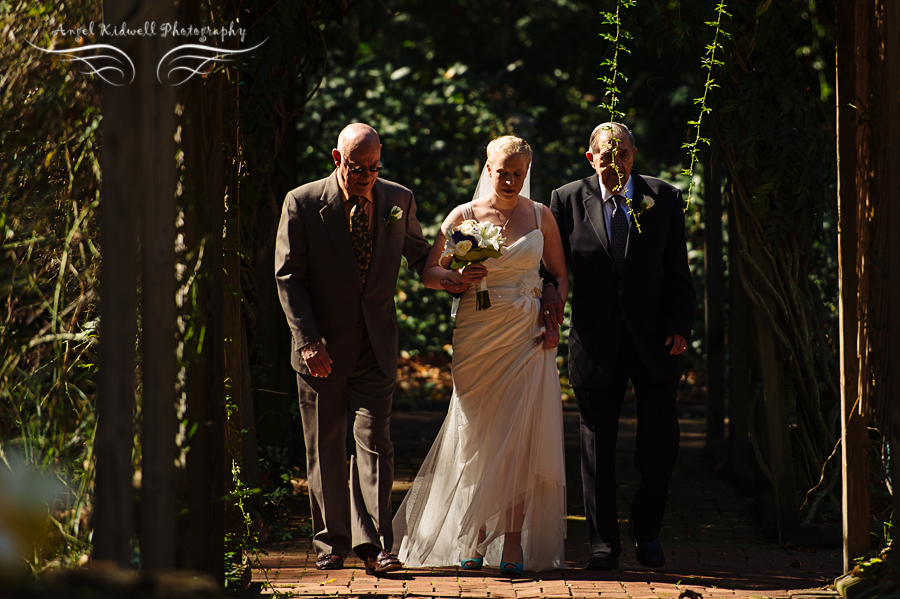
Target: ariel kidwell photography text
150	29
114	66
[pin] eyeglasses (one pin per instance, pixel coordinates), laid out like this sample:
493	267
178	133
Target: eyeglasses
608	157
358	170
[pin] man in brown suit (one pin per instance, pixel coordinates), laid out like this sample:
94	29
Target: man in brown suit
337	258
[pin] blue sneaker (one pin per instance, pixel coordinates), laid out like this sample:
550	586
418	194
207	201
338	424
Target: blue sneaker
649	554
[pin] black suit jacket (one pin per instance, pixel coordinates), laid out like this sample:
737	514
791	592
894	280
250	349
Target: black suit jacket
652	298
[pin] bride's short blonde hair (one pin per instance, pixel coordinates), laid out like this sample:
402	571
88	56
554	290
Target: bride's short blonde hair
509	145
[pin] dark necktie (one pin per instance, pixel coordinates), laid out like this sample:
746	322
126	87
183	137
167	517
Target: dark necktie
361	236
618	233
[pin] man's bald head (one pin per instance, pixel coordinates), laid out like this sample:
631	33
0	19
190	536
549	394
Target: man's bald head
358	148
357	136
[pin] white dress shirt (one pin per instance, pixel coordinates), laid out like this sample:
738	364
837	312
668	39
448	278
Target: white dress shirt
609	205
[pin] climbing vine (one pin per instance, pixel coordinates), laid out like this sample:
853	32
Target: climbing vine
708	61
617	40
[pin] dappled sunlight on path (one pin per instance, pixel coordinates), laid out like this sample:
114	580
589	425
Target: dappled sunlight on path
714	548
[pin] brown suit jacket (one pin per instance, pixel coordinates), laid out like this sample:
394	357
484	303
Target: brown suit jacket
318	280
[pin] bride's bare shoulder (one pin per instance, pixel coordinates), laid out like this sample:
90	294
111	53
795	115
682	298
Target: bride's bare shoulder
482	202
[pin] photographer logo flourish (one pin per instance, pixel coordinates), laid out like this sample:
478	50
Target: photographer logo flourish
95	63
214	55
115	67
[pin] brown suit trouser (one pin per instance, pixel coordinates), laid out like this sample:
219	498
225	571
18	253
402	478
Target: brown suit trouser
358	517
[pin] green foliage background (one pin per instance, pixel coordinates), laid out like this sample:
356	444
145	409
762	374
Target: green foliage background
440	80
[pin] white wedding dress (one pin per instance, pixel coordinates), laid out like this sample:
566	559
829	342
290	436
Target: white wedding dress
501	445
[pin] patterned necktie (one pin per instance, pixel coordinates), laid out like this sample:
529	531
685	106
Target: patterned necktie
361	236
618	234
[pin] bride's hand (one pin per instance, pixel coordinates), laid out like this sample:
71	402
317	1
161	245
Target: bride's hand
473	273
457	281
549	339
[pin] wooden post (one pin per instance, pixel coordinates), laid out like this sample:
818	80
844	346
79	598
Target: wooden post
120	159
895	467
203	527
249	445
854	440
740	344
232	310
891	427
715	297
157	198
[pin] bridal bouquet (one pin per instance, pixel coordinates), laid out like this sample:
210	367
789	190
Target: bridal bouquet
474	242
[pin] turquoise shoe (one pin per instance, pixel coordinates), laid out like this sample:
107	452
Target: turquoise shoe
511	568
472	563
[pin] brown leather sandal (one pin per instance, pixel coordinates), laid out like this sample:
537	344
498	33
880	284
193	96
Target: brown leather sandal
382	563
331	561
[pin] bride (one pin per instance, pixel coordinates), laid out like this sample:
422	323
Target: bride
493	485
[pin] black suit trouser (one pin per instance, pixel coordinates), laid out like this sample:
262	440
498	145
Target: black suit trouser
355	515
656	448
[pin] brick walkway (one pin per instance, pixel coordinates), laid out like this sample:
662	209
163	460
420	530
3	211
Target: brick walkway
713	546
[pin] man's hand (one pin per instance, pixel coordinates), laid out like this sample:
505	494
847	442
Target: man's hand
454	287
678	343
553	309
458	281
549	339
316	357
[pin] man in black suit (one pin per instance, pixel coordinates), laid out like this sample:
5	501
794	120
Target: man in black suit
632	308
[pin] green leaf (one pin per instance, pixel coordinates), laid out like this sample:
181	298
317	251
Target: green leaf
762	7
764	189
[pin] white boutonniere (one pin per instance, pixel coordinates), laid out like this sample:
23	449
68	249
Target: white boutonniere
647	203
395	215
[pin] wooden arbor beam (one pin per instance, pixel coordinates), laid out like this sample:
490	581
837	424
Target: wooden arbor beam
120	157
854	440
714	303
890	185
202	542
137	158
158	425
740	348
